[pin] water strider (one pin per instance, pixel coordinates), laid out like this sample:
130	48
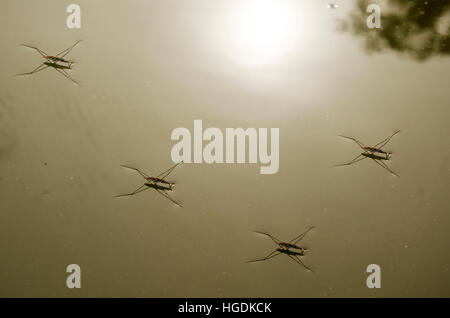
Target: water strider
291	248
157	183
376	153
57	62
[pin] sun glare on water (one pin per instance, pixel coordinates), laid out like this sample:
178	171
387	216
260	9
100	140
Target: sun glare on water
262	31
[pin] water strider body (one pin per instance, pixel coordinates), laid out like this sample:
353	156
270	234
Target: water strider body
59	59
374	150
291	248
289	245
291	252
57	62
375	157
58	66
157	183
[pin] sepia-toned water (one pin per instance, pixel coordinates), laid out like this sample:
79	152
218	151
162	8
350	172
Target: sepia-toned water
145	68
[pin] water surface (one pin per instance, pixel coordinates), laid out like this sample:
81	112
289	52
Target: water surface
148	67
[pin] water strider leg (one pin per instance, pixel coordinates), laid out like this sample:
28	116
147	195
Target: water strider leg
273	238
164	174
44	55
138	190
68	50
271	255
65	74
385	166
37	69
166	195
299	261
384	142
297	239
143	174
360	144
355	160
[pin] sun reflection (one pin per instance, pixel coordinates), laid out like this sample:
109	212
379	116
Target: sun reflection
262	31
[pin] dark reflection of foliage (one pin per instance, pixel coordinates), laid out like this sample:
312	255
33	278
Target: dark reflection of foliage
420	28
